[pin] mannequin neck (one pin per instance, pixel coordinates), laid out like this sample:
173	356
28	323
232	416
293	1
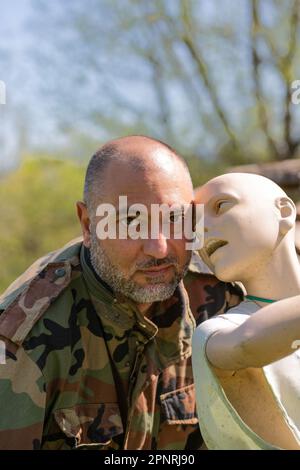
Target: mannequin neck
278	278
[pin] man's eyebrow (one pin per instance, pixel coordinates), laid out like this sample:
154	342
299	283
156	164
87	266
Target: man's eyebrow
180	207
124	211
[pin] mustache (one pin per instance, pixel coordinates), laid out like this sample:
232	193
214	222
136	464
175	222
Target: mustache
157	262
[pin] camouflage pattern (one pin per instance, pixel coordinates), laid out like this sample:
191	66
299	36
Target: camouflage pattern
77	356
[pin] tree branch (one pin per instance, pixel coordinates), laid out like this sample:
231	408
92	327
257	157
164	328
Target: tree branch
286	70
256	62
203	72
284	67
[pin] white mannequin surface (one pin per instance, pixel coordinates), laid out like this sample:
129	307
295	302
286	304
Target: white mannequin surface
246	366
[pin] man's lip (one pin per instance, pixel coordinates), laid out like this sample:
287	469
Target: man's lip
157	269
213	245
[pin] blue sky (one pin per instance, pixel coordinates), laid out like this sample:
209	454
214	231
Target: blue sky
14	36
14	71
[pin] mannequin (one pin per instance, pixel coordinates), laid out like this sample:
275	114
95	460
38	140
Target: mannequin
246	365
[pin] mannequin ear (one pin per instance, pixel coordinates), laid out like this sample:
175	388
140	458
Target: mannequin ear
288	212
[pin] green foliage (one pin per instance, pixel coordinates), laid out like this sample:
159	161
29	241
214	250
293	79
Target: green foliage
202	171
38	214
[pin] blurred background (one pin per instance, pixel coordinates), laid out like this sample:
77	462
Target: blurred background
211	78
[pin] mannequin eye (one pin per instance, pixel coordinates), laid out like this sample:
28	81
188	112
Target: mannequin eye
220	205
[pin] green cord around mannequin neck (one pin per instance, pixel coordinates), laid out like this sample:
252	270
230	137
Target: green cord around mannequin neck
260	299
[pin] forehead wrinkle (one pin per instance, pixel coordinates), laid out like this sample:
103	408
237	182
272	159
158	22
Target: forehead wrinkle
151	156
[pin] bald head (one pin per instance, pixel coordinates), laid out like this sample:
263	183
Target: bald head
139	153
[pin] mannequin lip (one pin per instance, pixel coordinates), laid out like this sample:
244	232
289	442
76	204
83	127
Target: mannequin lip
213	244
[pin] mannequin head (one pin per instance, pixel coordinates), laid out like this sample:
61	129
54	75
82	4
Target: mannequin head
249	220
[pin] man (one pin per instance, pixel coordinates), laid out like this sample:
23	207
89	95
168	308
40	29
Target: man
98	335
247	358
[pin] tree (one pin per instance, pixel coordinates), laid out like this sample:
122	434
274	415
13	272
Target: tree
216	85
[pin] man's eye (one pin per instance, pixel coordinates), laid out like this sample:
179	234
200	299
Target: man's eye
130	221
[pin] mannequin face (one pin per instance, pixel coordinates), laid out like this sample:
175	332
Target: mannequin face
242	224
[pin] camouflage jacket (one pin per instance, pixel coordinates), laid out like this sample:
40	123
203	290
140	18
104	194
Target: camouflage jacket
85	370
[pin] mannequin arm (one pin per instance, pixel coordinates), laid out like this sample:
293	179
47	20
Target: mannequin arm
268	335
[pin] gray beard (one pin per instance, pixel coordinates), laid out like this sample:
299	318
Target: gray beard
112	275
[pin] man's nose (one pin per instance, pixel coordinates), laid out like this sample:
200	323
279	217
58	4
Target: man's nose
156	247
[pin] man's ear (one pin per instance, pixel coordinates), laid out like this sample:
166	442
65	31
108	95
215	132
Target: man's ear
287	214
84	220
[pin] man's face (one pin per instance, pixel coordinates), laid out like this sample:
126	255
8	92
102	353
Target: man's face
241	227
144	270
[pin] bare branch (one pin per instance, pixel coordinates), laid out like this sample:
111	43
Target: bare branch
195	54
256	62
286	70
283	64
